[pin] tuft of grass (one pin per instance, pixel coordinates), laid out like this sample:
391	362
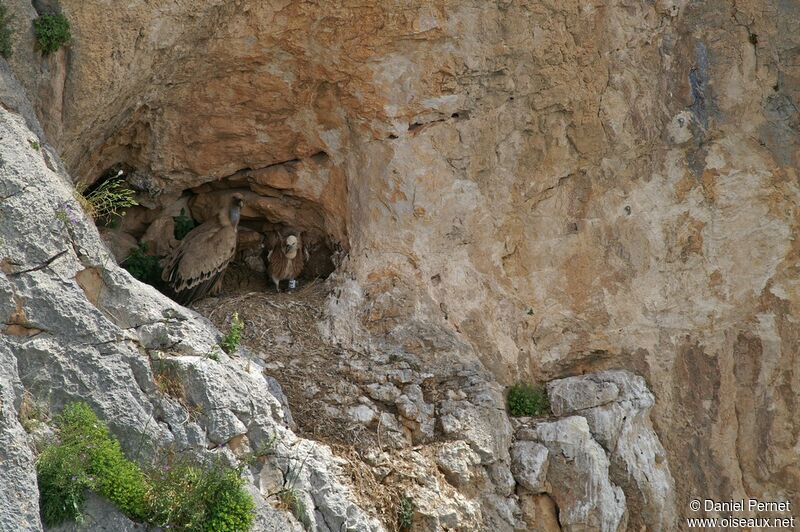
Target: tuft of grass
88	458
31	414
109	200
234	336
5	32
35	145
183	224
52	32
528	400
170	384
213	354
290	498
405	514
142	266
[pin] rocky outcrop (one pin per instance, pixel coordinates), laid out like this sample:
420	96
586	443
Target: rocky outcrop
601	463
77	327
580	484
616	406
19	499
566	187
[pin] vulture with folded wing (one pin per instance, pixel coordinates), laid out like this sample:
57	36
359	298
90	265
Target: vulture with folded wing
196	267
286	259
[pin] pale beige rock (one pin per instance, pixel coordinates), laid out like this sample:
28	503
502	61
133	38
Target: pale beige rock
566	186
540	513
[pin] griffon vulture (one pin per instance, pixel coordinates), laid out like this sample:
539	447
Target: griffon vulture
197	266
286	259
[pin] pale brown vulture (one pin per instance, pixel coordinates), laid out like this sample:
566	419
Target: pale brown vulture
197	266
286	259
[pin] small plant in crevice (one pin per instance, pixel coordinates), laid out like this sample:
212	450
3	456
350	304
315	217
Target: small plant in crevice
405	514
52	32
213	353
290	498
31	414
35	145
169	383
5	32
231	340
183	224
263	450
108	201
67	214
142	266
528	400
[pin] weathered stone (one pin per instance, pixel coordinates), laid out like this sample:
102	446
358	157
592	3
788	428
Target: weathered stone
95	342
457	460
578	476
387	393
362	414
480	421
539	513
119	243
624	429
19	498
570	396
529	465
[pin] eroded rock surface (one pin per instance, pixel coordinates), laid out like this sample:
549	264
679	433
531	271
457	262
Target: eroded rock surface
566	187
617	405
571	187
579	481
104	338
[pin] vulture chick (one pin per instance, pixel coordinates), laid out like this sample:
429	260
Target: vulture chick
286	259
197	266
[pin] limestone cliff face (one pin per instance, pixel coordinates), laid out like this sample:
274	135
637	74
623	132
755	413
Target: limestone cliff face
566	186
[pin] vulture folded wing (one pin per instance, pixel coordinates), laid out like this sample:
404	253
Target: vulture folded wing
199	263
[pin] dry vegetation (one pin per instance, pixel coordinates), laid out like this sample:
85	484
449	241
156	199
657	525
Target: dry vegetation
282	328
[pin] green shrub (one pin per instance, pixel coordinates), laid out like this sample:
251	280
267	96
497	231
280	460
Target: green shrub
405	514
213	499
52	32
234	337
183	224
142	266
88	458
5	32
528	400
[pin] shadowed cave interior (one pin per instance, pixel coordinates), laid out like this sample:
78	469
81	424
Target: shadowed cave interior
276	202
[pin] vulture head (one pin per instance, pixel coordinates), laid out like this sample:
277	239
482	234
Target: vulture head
286	258
235	208
291	246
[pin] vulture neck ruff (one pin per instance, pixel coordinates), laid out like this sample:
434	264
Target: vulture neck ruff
235	214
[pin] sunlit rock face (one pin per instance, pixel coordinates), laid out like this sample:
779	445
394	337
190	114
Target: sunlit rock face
568	187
